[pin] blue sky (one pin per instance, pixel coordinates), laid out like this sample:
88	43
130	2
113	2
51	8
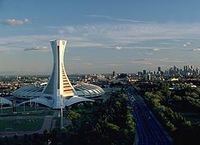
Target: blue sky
103	35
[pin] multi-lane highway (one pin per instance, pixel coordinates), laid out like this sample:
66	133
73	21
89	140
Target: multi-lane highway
149	130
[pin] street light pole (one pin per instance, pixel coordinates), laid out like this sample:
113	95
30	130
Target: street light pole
24	107
1	105
61	113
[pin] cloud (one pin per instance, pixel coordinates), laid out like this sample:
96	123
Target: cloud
126	36
67	29
169	60
164	43
187	44
43	49
113	64
143	61
85	44
118	48
2	51
196	49
129	35
114	19
76	59
15	22
155	49
87	63
140	59
155	61
145	40
31	49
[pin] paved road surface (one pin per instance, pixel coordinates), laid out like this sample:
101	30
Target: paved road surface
149	130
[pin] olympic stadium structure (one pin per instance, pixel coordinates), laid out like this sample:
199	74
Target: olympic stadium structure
59	92
4	101
85	90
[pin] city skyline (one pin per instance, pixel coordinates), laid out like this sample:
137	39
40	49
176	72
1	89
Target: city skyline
124	36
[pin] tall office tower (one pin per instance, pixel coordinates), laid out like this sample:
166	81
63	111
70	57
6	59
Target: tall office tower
59	86
113	74
159	69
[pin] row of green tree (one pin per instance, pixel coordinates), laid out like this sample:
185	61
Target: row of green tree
171	119
171	105
109	123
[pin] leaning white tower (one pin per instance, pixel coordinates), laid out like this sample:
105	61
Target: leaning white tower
59	86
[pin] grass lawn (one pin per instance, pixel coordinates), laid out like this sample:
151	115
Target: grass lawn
22	124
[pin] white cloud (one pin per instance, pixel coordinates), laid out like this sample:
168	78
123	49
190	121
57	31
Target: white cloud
67	29
115	36
196	49
156	61
146	39
113	64
118	47
115	19
127	35
143	61
76	59
43	49
14	22
169	60
187	44
164	43
156	49
2	51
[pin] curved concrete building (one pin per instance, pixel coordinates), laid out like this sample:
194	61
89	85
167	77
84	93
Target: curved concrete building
83	90
59	92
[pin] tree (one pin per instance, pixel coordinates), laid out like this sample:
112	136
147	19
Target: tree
73	116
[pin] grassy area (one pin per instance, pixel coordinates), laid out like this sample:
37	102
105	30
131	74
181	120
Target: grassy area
28	111
22	124
28	120
23	120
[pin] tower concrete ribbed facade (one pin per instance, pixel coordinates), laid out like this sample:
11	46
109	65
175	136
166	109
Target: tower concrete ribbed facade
59	86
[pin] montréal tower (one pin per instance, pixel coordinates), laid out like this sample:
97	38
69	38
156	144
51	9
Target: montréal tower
59	85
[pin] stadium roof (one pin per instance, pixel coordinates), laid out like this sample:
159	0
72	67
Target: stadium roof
82	90
4	101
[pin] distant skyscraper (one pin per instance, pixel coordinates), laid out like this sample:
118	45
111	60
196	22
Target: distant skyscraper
144	72
113	74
